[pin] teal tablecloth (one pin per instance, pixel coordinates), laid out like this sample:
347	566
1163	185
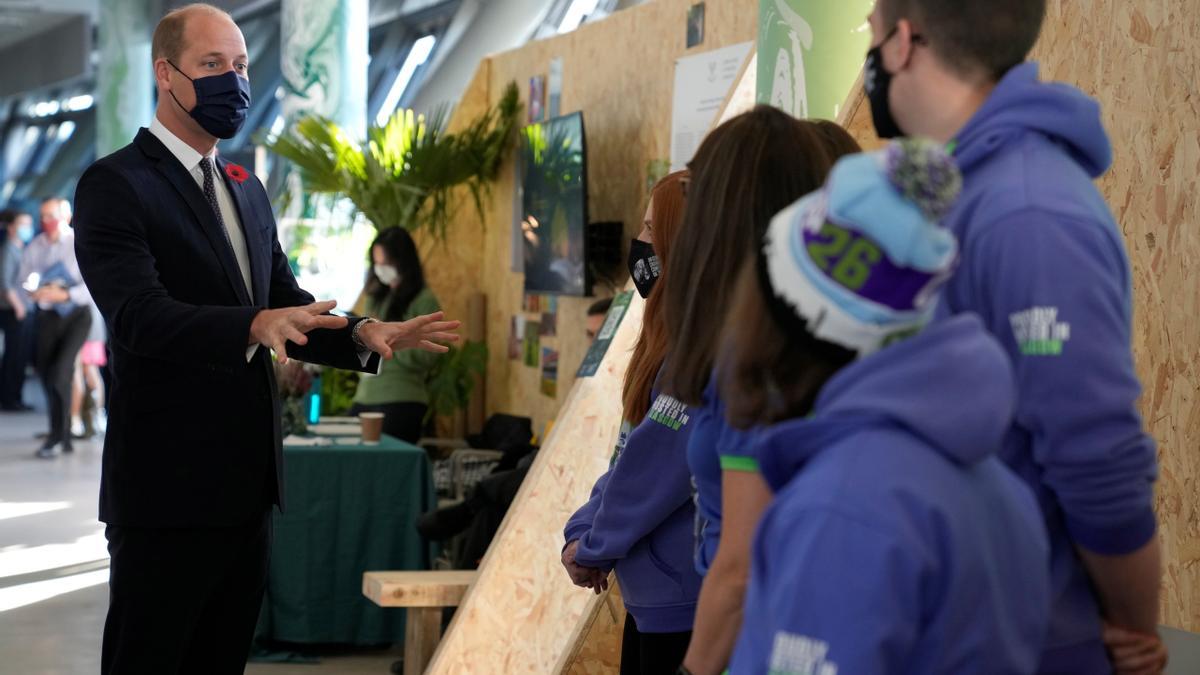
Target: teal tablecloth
350	508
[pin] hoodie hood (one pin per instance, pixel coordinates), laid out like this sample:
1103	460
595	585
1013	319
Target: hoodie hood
951	385
1020	104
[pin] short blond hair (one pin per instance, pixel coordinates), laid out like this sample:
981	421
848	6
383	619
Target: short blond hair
168	42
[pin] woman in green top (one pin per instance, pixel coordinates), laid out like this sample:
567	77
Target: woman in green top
396	291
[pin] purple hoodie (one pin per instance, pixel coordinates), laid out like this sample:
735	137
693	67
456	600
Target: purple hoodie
640	520
1044	265
897	542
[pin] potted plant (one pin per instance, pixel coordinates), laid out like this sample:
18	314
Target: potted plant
452	381
405	173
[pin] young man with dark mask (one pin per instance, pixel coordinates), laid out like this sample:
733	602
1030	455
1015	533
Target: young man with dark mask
1044	264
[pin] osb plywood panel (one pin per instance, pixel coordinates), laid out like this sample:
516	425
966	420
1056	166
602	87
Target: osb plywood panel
1140	59
597	643
620	73
855	116
521	613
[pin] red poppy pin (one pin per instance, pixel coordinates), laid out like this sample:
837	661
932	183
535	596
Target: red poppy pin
236	173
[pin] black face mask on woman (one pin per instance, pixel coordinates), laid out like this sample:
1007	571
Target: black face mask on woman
643	266
221	102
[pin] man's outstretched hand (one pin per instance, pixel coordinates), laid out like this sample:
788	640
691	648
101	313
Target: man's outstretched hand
429	332
274	327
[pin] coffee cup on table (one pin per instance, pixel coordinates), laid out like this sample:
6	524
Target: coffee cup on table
372	426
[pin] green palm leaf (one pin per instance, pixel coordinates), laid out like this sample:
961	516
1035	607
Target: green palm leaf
405	172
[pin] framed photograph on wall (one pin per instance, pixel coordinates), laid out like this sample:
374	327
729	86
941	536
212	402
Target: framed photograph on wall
537	99
695	25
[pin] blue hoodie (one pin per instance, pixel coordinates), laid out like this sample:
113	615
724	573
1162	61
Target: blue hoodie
1044	265
898	543
714	447
640	521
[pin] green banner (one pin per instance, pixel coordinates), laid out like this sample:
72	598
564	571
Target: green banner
810	52
595	354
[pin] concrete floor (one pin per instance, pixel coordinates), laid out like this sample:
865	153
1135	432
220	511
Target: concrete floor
53	563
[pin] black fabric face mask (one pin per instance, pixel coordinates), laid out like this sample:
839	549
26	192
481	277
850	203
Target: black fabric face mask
221	102
877	82
643	266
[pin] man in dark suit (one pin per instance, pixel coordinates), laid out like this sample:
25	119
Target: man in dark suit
180	251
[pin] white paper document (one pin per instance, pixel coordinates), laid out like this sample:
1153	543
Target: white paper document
701	84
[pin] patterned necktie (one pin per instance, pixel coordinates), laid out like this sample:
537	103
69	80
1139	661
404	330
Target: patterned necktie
210	195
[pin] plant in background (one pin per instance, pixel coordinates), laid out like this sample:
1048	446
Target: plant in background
405	173
553	161
337	391
453	378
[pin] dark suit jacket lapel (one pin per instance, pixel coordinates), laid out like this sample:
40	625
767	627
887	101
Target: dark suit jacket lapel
257	246
191	193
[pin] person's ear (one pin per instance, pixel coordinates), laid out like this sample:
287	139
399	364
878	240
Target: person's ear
901	47
162	73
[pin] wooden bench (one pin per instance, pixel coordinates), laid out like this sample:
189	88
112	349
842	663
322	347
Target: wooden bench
424	595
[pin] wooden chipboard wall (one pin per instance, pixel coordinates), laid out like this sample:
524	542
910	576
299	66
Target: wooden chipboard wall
620	73
595	646
1141	60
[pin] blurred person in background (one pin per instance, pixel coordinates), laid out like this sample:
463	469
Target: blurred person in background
596	313
50	274
396	291
16	228
87	390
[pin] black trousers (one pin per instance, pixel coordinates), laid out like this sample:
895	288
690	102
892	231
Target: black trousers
59	339
16	356
405	421
651	653
184	601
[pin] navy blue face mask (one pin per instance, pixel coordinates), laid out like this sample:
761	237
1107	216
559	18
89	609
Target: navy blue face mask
221	102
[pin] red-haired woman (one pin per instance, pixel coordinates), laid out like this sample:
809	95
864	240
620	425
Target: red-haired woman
640	517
